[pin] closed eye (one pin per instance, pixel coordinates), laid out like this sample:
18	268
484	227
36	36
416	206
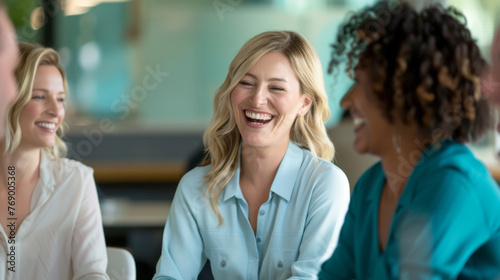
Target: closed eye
277	89
245	83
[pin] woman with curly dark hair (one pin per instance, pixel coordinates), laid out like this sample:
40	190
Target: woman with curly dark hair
429	209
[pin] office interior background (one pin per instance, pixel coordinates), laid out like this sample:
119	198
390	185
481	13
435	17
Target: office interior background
142	76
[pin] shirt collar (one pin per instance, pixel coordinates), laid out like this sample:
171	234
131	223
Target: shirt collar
45	185
232	188
283	182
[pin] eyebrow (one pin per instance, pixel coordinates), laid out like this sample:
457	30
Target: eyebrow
271	79
47	91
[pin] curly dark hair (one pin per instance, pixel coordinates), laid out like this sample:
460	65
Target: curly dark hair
424	66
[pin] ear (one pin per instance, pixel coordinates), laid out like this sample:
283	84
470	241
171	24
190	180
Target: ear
306	104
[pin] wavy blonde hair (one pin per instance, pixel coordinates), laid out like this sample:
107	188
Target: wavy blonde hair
222	138
31	56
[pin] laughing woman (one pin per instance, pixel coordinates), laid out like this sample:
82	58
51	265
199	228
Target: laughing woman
269	204
429	209
54	229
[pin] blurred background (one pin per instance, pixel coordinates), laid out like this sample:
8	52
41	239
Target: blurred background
142	75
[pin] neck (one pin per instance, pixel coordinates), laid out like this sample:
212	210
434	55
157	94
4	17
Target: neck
25	161
399	166
261	164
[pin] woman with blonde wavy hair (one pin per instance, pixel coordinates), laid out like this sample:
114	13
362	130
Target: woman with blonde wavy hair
268	203
53	228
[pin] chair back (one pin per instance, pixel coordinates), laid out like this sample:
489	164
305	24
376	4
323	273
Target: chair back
121	264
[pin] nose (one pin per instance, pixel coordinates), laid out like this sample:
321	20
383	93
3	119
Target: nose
346	101
54	107
259	95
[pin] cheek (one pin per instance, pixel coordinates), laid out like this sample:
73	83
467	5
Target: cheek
237	97
288	107
62	113
27	114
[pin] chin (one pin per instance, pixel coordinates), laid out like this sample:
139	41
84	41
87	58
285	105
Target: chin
360	148
47	145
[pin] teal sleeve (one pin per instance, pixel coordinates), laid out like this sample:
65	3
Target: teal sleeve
437	232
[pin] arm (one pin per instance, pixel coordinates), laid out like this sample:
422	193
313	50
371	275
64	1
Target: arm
88	246
326	212
182	247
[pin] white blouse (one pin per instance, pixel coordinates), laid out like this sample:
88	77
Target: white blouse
62	237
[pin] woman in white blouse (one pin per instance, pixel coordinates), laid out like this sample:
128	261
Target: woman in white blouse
49	211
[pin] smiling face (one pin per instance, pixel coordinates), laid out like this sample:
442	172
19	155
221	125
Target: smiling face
373	131
44	113
266	102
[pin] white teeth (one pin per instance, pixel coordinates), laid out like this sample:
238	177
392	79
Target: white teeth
358	122
46	125
263	117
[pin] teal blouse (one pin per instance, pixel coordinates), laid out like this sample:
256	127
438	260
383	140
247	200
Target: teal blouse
446	224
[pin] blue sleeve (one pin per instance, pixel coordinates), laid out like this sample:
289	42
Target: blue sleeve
182	247
341	264
325	217
436	234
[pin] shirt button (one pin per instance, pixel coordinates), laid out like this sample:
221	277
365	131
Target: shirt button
258	240
262	212
223	263
280	264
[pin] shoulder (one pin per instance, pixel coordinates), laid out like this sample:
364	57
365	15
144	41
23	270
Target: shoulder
319	166
195	175
64	168
193	182
322	174
453	164
453	175
67	177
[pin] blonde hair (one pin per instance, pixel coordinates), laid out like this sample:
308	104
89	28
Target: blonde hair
222	138
32	56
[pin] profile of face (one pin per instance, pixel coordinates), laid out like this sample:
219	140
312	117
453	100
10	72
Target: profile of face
8	58
43	114
266	102
373	133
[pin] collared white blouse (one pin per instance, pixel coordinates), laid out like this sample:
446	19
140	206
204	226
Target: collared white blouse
62	237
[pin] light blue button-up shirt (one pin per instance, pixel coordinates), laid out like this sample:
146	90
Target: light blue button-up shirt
297	228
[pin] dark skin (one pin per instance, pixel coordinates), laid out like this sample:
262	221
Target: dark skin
375	136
